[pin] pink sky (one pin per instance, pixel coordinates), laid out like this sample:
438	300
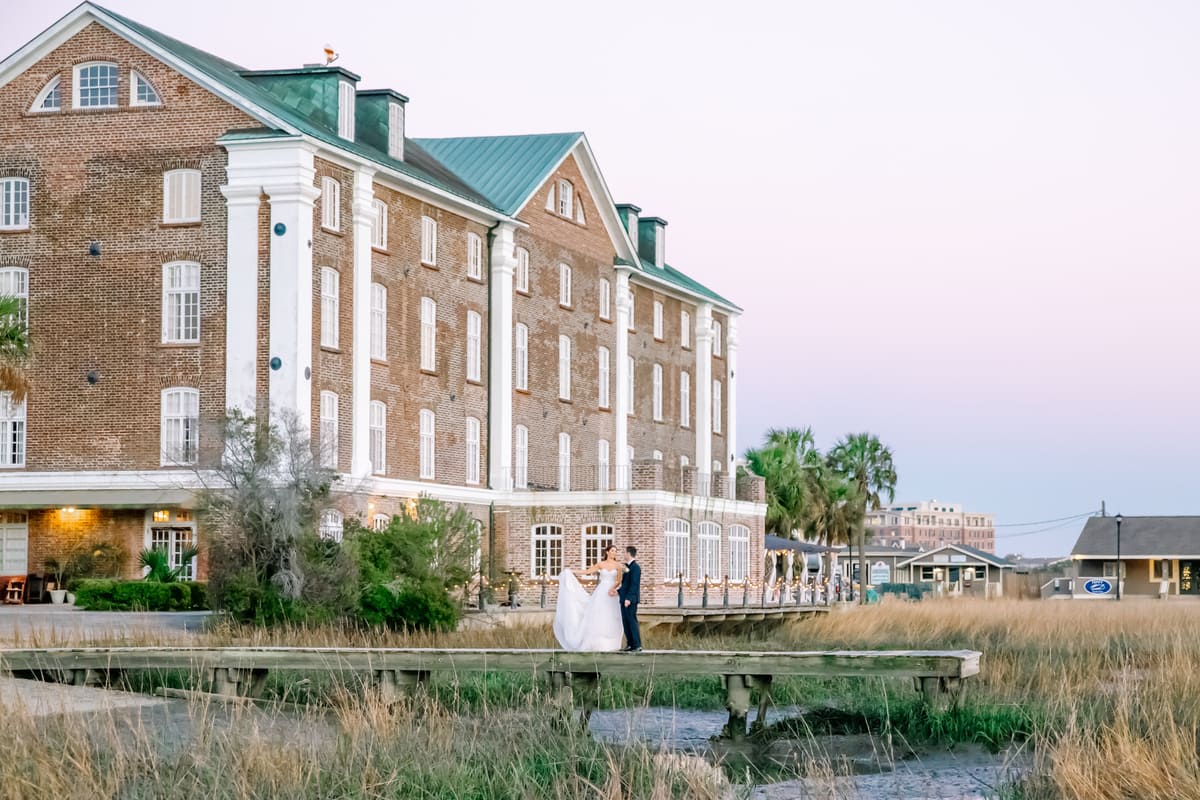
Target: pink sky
968	227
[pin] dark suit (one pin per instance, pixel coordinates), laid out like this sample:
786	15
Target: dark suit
630	591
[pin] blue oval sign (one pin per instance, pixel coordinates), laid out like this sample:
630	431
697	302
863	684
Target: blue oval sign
1097	586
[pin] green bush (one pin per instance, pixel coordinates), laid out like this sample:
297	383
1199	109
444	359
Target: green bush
114	595
411	606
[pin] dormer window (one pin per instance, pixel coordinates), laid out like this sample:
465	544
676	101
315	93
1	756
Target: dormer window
50	98
566	199
396	131
346	110
96	85
141	92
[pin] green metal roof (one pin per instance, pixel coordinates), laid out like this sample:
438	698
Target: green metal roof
417	163
504	169
690	285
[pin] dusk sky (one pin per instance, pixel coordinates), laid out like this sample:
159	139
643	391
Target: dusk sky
967	227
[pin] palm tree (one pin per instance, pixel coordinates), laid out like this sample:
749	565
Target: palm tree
832	513
782	461
867	464
15	348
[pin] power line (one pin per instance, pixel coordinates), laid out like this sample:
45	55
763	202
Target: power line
1043	521
1068	521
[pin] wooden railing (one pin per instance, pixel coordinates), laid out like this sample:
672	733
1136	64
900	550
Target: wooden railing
242	671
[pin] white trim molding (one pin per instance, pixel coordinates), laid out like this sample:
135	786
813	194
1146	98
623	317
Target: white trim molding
503	262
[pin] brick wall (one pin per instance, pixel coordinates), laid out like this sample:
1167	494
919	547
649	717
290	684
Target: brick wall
645	434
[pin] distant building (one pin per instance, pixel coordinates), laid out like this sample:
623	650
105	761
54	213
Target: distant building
932	523
1159	557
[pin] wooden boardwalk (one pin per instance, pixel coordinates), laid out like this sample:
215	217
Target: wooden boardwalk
242	671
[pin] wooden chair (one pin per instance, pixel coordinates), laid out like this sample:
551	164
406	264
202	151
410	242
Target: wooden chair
14	593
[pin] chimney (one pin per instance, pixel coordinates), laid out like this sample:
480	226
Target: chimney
628	213
652	240
379	120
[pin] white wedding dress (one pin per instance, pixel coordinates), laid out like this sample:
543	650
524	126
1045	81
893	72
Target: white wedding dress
585	621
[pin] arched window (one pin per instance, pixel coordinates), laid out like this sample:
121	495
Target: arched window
50	97
331	525
597	538
676	540
566	199
380	522
708	550
141	91
180	428
181	196
547	551
96	85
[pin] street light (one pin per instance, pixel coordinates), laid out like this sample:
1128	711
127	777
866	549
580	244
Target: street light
1119	519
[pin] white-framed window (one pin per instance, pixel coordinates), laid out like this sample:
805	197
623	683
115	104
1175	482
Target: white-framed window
474	345
14	542
428	334
739	553
14	282
521	356
96	85
657	455
173	541
330	281
676	543
685	329
331	525
1110	569
474	256
181	196
521	458
346	110
547	551
180	426
603	356
708	550
597	538
716	406
472	450
378	321
658	320
181	302
521	273
605	299
12	431
428	455
329	429
657	380
564	367
14	204
602	465
429	241
50	97
564	462
566	198
564	285
716	329
629	364
331	204
141	91
685	399
380	522
379	225
378	431
396	131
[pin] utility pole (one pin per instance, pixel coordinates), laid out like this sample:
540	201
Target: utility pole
1102	511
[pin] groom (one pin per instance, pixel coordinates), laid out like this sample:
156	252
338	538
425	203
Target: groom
629	594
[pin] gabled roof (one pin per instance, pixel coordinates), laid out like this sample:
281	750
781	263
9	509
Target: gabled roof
273	112
965	550
506	170
1140	537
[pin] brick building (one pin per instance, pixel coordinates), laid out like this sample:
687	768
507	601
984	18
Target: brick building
932	523
470	318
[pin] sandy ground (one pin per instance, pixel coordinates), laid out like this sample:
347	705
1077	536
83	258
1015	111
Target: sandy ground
50	624
39	699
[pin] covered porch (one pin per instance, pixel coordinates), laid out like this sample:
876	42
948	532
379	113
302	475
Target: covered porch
957	571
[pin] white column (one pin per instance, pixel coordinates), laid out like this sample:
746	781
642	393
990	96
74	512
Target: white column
242	195
360	345
291	311
704	409
621	406
731	343
503	262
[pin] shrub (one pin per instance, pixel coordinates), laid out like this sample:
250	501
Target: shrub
410	606
113	595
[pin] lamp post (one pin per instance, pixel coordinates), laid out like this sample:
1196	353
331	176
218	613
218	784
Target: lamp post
1119	519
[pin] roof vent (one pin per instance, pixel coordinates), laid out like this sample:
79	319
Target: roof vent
652	240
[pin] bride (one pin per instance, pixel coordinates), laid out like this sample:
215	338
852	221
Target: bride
590	622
